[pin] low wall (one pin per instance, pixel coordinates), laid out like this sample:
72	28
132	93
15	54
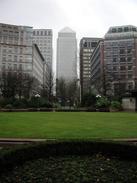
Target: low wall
129	104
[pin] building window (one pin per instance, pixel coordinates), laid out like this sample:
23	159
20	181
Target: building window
122	68
85	44
3	66
129	50
114	30
122	59
130	86
114	59
129	59
126	29
114	68
15	66
119	29
129	67
129	76
122	51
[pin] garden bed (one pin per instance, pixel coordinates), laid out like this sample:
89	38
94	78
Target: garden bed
70	162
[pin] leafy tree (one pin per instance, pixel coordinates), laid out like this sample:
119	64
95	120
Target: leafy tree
89	100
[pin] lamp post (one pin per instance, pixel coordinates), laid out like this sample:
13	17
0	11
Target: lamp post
37	96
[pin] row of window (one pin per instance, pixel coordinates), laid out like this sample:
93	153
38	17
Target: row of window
90	44
122	68
123	29
116	59
26	67
42	33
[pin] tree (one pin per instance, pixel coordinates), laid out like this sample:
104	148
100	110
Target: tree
16	84
66	92
89	100
48	86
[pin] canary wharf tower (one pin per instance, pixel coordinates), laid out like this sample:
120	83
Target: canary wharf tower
66	55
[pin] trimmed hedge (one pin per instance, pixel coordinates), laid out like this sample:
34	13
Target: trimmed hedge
55	110
12	158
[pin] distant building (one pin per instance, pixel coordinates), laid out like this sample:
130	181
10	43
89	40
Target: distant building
43	38
18	53
66	55
113	62
87	46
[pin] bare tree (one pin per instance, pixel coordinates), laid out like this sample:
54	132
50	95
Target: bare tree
16	84
48	85
67	92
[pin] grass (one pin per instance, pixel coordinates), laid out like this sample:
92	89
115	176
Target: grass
68	125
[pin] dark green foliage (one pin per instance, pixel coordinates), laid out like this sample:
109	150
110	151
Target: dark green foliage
116	105
8	106
102	102
74	169
20	103
39	102
13	158
89	100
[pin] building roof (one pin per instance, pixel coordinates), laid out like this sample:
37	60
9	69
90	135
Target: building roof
66	30
120	32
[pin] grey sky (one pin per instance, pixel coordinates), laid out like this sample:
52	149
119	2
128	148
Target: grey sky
87	17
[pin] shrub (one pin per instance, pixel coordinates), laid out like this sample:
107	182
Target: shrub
116	105
102	102
15	157
9	106
20	103
88	100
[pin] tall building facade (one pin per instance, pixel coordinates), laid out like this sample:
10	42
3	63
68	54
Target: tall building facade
43	38
117	60
87	46
66	55
17	53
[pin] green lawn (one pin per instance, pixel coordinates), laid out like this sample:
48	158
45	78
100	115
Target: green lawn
68	125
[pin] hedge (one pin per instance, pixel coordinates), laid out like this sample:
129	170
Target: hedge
14	157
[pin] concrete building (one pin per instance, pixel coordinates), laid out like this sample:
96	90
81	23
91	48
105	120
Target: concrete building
66	55
38	64
116	57
87	46
43	38
18	53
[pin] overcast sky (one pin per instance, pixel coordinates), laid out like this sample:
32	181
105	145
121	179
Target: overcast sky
89	18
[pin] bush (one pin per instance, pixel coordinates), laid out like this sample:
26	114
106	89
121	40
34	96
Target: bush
20	103
39	102
102	102
116	105
89	100
15	157
9	106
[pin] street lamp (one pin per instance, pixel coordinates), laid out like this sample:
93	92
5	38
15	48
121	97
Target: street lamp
37	96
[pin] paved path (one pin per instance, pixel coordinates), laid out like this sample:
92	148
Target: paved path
16	141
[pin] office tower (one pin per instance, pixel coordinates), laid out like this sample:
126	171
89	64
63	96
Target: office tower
43	38
114	61
87	46
66	55
17	53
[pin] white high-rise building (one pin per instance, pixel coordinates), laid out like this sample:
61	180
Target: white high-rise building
66	55
43	38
